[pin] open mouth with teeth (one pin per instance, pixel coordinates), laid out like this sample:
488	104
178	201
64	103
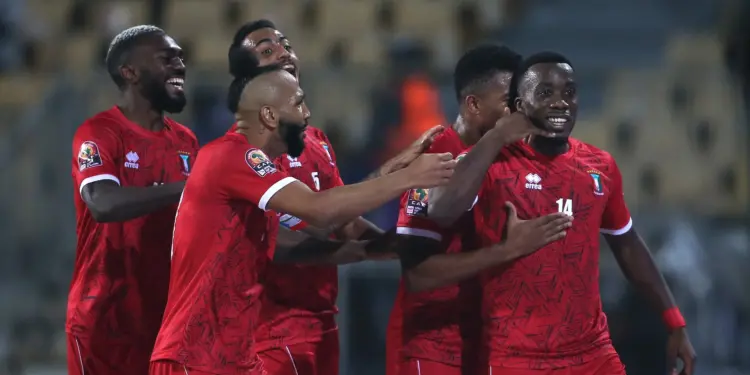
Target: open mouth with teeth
291	69
177	84
558	123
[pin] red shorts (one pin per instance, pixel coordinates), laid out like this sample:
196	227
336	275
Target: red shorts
425	367
172	368
310	358
87	356
606	365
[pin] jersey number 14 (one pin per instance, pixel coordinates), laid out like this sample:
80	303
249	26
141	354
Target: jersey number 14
565	206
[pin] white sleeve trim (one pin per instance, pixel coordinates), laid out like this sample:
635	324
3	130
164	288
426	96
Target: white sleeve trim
419	232
617	232
280	184
476	199
99	177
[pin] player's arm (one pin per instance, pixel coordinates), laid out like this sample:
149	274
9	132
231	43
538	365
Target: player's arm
425	266
449	202
409	154
97	153
344	203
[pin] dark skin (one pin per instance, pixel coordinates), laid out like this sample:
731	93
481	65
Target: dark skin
273	99
549	91
150	64
480	110
270	46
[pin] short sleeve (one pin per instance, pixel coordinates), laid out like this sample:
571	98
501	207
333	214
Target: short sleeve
96	153
412	216
616	219
251	176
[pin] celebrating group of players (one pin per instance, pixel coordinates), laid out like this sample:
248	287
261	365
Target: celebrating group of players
233	270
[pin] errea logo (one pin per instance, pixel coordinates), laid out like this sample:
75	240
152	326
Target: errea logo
533	181
132	160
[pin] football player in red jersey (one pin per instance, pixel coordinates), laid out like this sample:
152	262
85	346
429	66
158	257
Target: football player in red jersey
129	167
542	314
223	235
297	331
437	331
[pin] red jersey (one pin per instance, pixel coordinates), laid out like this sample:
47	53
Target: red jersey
119	286
221	239
436	323
544	310
299	302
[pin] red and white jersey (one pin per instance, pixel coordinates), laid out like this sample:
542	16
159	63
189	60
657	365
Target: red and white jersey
437	325
299	302
120	279
222	237
544	310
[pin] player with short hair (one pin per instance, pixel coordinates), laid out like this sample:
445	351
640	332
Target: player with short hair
297	330
542	314
223	234
436	331
129	167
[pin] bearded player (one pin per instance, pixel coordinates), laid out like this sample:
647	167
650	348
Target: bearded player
297	331
437	331
130	164
223	234
542	314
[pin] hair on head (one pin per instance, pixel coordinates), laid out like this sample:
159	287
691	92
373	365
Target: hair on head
239	56
239	82
480	63
537	58
121	46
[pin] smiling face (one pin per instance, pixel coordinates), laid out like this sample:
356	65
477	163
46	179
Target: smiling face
548	96
160	73
270	46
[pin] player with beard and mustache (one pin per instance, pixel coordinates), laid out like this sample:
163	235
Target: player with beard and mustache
297	330
223	235
542	314
129	167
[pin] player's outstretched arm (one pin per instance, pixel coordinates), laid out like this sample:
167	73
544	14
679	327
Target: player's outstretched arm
345	203
425	268
409	154
299	247
449	202
110	202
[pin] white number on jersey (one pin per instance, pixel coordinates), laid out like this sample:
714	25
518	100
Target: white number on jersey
316	180
565	206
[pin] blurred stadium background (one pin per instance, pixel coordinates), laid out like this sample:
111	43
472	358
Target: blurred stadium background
664	86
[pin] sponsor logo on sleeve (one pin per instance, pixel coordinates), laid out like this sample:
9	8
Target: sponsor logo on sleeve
259	162
416	205
89	156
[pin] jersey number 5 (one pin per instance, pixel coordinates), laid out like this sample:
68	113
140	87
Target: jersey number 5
565	206
316	180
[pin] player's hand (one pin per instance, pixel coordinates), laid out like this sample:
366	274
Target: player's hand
526	236
679	346
411	153
430	170
516	126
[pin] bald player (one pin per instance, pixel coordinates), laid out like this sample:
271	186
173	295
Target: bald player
223	233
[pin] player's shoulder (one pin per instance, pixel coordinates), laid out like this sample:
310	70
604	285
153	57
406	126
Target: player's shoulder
110	119
447	141
589	151
178	128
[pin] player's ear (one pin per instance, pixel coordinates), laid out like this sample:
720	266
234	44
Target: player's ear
269	117
129	73
472	104
517	105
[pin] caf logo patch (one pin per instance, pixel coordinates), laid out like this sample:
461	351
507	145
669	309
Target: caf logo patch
416	204
89	156
259	162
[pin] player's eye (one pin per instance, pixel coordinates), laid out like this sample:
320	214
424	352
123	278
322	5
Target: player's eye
288	47
570	92
267	51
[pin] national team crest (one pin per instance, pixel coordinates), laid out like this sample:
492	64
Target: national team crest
416	204
259	162
328	152
597	176
185	158
88	156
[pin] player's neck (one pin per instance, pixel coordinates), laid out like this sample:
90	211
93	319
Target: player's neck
469	135
141	112
550	146
258	136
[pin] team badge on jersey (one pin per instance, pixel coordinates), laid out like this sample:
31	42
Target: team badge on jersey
328	152
416	205
259	162
88	156
185	158
597	176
